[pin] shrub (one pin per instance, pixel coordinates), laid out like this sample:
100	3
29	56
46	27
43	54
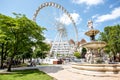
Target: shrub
77	54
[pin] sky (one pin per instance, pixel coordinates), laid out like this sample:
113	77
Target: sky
102	12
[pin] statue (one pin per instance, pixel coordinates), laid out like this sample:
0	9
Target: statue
90	24
88	57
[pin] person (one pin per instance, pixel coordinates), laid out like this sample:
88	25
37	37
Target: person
63	61
33	63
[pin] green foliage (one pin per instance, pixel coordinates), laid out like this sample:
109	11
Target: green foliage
41	50
19	35
26	75
111	36
77	55
83	52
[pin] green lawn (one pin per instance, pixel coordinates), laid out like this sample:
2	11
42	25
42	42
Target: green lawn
26	75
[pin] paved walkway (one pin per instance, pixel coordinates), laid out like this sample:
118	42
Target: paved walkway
65	72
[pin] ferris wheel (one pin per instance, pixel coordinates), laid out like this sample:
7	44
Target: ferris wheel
49	19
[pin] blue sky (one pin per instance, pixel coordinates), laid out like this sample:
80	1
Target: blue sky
102	12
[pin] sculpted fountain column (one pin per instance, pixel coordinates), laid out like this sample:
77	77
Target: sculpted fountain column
92	46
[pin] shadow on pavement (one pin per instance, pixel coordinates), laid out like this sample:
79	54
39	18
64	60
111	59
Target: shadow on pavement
50	69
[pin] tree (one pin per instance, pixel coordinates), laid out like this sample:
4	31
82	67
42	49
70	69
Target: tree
41	50
4	38
22	34
111	36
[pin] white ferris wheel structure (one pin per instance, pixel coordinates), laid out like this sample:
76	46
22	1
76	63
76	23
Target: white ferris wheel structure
60	45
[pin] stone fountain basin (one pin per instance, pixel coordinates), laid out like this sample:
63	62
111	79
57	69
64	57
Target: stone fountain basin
97	69
94	44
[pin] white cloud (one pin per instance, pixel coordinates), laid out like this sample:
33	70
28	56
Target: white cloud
113	15
88	2
66	20
94	16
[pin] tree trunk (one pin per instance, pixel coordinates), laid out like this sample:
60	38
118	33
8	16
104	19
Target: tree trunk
11	61
119	57
114	56
2	56
5	52
10	64
23	59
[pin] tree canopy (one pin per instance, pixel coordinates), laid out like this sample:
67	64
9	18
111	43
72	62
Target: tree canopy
18	35
111	36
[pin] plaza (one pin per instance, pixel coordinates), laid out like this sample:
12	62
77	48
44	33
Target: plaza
66	72
59	40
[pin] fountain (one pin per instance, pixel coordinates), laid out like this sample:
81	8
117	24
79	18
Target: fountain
94	48
95	63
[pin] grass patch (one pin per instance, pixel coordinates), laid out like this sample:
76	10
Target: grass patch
26	75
